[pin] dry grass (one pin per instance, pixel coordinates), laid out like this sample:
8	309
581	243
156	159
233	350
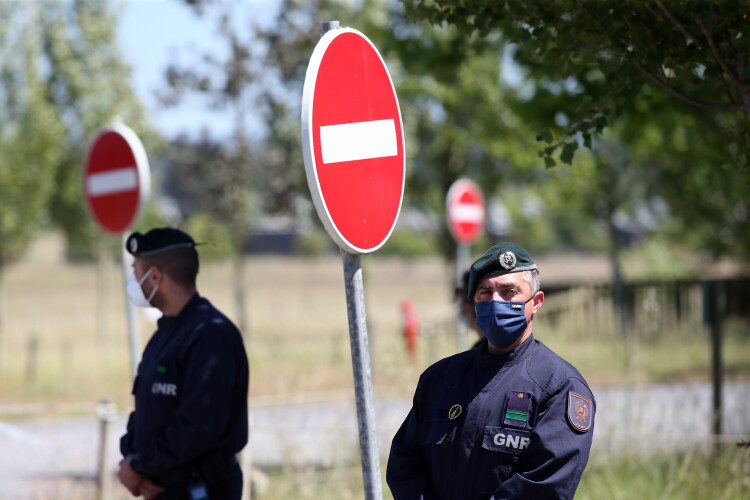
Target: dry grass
298	340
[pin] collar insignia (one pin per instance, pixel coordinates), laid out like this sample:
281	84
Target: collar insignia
507	260
454	412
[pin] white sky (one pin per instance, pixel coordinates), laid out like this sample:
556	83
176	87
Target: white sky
154	32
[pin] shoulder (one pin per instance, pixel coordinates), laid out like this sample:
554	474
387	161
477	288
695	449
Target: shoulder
447	365
554	374
208	325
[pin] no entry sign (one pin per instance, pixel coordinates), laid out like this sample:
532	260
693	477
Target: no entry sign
464	208
116	178
353	142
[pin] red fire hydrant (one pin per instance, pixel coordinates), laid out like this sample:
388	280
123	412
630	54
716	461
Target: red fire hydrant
410	329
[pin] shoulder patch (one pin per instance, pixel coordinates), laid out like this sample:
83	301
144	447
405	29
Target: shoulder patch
579	412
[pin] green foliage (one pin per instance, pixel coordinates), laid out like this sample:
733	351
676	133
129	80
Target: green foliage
84	85
411	244
314	243
693	475
592	59
214	238
28	153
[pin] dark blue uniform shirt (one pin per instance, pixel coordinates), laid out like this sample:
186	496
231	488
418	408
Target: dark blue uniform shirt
517	425
190	391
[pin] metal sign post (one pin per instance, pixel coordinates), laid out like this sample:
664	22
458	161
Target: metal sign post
353	147
117	180
464	211
134	340
368	437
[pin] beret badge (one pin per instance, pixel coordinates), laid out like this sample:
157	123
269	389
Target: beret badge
133	244
507	260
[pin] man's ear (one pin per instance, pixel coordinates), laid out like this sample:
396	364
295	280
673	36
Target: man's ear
538	299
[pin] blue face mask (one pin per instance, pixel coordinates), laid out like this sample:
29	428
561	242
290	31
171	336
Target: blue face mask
502	322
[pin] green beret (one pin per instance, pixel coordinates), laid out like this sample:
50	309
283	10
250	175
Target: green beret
502	258
157	240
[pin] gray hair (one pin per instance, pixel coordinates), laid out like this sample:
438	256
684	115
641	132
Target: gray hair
533	279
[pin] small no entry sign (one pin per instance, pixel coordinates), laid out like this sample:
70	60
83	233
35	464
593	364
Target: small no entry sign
464	208
116	178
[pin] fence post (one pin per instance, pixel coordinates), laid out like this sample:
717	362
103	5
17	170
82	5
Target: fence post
106	412
714	302
32	355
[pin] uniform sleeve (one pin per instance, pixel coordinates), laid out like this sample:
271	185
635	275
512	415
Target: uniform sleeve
126	441
212	372
559	449
406	472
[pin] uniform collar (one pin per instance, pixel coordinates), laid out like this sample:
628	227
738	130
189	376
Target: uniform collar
169	321
485	359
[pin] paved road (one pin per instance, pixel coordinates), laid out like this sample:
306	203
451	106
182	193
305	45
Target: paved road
638	418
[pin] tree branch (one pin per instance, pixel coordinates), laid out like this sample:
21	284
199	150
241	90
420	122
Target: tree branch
683	97
719	60
677	23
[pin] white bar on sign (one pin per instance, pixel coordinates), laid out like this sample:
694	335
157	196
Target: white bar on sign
467	213
358	141
112	181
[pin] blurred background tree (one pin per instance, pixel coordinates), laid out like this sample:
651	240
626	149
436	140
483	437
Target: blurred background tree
670	79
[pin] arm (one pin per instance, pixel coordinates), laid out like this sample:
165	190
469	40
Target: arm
213	368
406	473
552	465
126	441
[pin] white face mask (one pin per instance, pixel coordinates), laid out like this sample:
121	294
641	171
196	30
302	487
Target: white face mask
135	292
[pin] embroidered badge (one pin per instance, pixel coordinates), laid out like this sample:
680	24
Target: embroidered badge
517	411
579	412
161	369
454	412
507	260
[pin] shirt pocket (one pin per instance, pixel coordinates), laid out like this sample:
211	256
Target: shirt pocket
502	448
438	434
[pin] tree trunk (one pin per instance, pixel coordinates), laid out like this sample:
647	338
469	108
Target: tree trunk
238	291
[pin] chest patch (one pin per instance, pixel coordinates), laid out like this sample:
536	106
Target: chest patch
517	410
164	389
506	440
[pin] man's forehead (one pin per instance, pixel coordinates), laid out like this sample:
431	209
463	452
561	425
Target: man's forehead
502	279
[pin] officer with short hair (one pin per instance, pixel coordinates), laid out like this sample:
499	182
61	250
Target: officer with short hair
509	419
190	417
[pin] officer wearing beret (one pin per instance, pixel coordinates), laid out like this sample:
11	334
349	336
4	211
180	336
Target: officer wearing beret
190	417
508	419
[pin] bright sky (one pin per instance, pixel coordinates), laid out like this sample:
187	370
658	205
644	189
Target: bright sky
154	32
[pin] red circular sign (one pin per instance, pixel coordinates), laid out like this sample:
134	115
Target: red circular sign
353	141
116	178
464	209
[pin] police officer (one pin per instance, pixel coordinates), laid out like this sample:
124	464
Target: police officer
509	419
190	417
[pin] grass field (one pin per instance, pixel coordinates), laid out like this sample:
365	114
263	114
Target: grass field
63	338
63	333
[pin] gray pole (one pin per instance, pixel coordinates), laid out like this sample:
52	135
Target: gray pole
135	348
355	306
463	261
368	437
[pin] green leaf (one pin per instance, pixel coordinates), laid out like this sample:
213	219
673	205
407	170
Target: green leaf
545	135
733	148
587	140
549	162
566	156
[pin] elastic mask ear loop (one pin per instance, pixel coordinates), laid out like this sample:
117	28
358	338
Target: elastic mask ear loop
153	292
